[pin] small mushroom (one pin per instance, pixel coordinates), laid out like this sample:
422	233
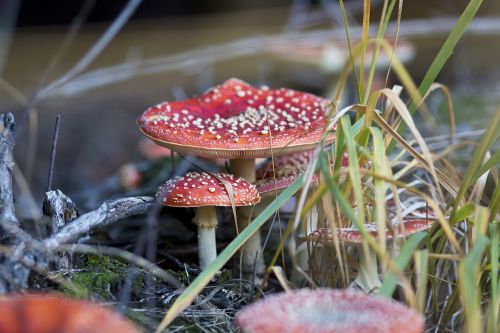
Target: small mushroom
206	191
367	278
47	313
328	311
276	174
239	122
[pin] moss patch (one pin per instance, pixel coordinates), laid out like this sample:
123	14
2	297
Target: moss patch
99	275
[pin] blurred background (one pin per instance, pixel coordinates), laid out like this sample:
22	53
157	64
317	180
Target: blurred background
100	64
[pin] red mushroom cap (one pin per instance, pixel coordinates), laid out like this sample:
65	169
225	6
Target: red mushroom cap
287	168
284	165
204	189
37	313
353	236
328	311
278	173
235	120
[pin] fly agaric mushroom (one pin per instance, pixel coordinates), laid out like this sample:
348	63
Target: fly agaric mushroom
238	122
46	313
278	173
328	311
367	278
206	191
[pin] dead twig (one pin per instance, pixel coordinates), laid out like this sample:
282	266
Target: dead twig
199	59
7	211
109	212
26	252
53	152
92	53
60	208
14	274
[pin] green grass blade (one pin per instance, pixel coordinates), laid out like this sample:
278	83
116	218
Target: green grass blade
384	21
379	167
469	275
481	216
494	205
391	280
421	266
335	190
353	169
494	233
464	212
489	137
190	293
449	45
489	164
444	54
349	44
364	43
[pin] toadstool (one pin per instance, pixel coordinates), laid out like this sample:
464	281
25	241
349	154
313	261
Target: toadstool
239	122
206	191
278	173
47	313
328	311
367	278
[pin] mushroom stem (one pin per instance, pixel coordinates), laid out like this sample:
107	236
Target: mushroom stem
206	220
367	278
244	168
253	259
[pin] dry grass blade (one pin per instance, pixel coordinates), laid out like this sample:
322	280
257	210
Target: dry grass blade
451	114
281	276
442	179
94	51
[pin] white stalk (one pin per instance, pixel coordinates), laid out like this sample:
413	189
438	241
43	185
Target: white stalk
252	258
206	220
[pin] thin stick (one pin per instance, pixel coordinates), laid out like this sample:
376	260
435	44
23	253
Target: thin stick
109	212
91	54
7	211
53	152
214	54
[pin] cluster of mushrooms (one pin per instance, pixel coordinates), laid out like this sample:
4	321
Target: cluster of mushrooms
241	123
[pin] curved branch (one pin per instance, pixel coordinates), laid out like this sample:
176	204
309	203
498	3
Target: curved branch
109	212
